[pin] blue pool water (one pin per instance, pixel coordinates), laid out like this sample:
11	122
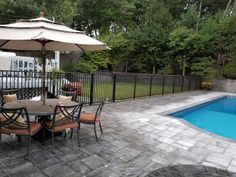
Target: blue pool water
218	116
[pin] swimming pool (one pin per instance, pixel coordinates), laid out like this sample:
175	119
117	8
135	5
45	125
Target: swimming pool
217	116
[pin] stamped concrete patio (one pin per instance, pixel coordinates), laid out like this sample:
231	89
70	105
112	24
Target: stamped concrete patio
137	140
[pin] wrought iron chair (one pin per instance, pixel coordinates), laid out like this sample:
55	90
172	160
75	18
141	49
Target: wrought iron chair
92	118
9	92
64	118
67	93
13	123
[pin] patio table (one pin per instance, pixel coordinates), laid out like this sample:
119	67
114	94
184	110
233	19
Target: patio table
41	111
36	108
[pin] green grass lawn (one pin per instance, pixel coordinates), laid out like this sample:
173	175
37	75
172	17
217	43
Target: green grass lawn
124	90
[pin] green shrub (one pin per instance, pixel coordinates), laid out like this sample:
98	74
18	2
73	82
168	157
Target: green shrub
230	69
204	67
85	67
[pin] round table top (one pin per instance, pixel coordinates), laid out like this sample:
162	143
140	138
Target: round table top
37	107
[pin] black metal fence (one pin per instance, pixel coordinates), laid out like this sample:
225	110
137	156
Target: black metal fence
100	86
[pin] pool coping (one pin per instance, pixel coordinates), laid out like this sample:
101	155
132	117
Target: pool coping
166	114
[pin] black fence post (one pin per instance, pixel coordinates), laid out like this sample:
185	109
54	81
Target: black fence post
163	84
189	86
91	89
135	82
150	88
173	88
114	89
182	84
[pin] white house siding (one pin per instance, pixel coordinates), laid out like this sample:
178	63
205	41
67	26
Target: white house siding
9	61
5	62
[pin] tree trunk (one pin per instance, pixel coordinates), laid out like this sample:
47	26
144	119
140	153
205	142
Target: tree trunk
234	5
126	66
184	66
223	60
222	69
153	69
199	13
228	5
183	71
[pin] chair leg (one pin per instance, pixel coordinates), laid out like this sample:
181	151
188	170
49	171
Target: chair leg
53	142
78	129
95	132
19	139
71	133
28	147
100	125
65	134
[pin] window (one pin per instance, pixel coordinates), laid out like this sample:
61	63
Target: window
30	65
15	65
26	64
20	64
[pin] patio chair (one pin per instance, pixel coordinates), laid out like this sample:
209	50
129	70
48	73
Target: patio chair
16	122
92	118
67	95
9	95
64	118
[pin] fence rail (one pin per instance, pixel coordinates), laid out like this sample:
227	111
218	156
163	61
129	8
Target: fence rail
100	86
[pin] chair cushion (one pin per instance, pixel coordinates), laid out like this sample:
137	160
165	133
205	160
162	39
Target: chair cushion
65	98
59	116
88	118
34	128
20	120
61	127
9	98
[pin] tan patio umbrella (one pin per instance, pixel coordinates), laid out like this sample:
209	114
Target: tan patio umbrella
43	35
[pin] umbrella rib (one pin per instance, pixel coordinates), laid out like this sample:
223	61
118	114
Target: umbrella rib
4	43
79	47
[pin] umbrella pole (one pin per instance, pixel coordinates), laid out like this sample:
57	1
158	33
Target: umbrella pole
43	98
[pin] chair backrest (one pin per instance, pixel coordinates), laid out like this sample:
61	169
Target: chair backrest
67	93
9	117
99	110
8	92
63	114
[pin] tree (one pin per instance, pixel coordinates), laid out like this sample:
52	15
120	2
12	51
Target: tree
10	11
204	67
149	40
184	42
120	48
60	10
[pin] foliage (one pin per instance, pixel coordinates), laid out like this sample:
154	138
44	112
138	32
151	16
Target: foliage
55	74
60	10
204	67
230	71
166	36
166	70
184	42
206	85
84	67
120	47
10	11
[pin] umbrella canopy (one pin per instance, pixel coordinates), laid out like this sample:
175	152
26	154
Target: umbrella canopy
41	34
29	35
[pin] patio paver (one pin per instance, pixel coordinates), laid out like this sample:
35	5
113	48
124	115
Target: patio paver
137	140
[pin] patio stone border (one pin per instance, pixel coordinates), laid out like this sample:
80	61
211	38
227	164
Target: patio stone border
190	171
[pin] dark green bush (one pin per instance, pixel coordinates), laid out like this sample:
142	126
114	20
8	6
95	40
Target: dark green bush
230	70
